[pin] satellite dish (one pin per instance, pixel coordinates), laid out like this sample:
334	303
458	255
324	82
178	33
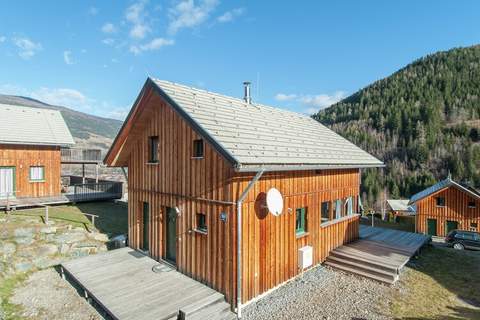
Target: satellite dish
274	202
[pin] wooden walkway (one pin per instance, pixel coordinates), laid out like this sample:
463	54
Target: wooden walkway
124	284
379	254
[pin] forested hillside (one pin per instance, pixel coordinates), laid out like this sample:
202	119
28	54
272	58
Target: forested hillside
423	121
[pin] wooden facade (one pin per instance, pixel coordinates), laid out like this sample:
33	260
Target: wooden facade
22	157
460	209
209	185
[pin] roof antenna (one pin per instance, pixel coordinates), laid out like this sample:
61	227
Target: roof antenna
247	96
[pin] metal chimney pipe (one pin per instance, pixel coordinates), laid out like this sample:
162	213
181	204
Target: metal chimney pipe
247	97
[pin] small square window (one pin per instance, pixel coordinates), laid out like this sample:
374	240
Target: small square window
471	204
198	148
201	222
440	201
37	173
301	221
153	149
325	212
474	225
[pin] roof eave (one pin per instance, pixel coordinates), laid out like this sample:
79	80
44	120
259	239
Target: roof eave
302	167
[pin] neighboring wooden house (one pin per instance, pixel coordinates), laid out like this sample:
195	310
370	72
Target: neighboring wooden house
199	167
30	142
400	208
446	206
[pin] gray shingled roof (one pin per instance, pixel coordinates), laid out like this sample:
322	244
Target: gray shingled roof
261	136
24	125
400	205
443	185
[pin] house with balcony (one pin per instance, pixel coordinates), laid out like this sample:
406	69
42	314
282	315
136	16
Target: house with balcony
34	143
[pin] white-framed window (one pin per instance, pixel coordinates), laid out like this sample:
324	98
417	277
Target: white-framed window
37	173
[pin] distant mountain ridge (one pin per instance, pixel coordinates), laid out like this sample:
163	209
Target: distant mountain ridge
87	130
423	121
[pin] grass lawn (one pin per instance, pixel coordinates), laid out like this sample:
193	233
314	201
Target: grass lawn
112	217
6	290
442	284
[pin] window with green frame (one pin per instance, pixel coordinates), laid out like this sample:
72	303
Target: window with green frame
301	221
37	173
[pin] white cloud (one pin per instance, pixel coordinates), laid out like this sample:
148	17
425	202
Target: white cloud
323	100
186	14
155	44
67	57
135	14
118	113
231	15
26	47
108	41
3	39
139	31
285	97
109	28
314	102
93	11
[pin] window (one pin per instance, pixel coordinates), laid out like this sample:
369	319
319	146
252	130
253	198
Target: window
201	222
473	226
37	173
301	221
325	212
198	148
337	209
471	204
440	201
153	149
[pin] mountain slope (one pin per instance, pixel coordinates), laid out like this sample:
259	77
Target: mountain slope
88	130
423	121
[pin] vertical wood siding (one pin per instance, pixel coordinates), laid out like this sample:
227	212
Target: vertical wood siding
269	243
177	180
456	209
22	158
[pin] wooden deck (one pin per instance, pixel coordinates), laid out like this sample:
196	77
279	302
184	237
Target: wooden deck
124	284
379	254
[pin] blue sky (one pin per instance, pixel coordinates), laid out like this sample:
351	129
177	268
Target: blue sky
95	56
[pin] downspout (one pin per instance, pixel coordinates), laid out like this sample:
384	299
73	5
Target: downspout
239	240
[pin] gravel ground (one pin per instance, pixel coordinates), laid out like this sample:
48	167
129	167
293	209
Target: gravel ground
323	293
45	295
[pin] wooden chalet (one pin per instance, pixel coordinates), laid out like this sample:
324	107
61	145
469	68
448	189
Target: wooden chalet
199	167
446	206
34	143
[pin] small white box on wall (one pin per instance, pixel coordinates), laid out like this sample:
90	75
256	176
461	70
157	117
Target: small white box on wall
305	257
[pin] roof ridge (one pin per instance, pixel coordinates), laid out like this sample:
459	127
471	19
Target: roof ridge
254	104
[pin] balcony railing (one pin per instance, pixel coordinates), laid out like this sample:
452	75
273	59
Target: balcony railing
81	155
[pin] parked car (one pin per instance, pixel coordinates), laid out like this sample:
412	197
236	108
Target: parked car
460	239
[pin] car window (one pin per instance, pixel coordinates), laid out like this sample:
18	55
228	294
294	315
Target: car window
477	236
468	236
459	235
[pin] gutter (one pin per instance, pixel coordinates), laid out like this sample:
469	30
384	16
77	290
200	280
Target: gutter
239	240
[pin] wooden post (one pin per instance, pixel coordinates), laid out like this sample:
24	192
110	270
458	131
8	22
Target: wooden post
83	173
46	215
93	221
62	272
96	173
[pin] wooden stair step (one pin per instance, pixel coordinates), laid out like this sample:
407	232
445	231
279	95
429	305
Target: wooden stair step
361	273
216	311
362	266
200	304
360	259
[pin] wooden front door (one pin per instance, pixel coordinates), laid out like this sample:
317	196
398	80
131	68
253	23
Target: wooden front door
432	227
171	236
7	182
450	225
146	227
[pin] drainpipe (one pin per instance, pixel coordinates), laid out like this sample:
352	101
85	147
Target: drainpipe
239	240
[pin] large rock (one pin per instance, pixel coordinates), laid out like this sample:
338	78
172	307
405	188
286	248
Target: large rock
70	237
98	236
7	248
23	233
46	250
48	230
23	240
23	266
